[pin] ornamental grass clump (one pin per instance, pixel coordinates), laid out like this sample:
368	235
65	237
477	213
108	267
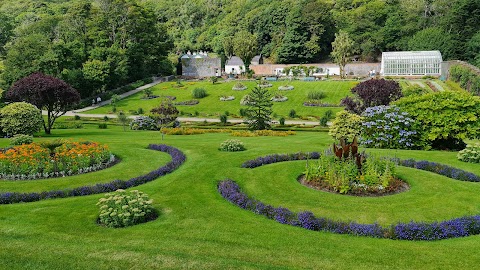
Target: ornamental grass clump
232	146
470	154
125	208
388	127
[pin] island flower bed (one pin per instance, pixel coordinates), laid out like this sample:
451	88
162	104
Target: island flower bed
35	161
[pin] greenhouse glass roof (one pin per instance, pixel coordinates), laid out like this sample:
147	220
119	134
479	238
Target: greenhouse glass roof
411	63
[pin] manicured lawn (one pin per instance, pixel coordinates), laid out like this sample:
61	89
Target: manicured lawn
198	229
211	106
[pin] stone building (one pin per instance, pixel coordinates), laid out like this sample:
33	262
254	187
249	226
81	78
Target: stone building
200	65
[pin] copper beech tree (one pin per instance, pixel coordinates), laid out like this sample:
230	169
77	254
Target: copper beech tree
48	93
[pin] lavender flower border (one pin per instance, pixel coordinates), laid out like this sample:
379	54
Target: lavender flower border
438	168
178	158
414	231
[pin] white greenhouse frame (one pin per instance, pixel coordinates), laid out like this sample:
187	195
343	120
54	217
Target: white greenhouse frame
411	63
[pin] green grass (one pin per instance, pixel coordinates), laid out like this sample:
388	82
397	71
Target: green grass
198	229
211	106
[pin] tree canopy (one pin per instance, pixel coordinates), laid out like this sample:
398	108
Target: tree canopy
47	93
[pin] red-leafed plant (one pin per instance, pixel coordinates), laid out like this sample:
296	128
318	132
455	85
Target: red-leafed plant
47	93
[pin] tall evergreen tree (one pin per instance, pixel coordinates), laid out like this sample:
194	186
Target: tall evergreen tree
259	109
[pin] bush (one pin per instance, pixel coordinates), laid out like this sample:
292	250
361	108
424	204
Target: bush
223	119
77	117
372	93
292	113
199	93
415	90
122	208
345	126
470	154
467	78
232	146
281	121
20	139
143	123
316	95
20	118
102	126
243	112
388	127
443	115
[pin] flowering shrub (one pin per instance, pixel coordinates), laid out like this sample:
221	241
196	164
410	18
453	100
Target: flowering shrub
345	126
232	146
20	118
122	208
416	231
470	154
34	161
143	123
387	127
192	131
20	139
178	158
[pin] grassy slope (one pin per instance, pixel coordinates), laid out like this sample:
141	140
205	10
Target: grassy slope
212	106
199	229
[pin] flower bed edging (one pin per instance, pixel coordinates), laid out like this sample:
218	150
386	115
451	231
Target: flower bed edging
178	158
458	227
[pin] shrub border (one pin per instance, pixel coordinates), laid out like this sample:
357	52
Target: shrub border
413	231
178	158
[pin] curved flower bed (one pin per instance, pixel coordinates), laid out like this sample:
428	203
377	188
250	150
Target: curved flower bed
286	87
53	159
178	158
424	165
188	102
459	227
314	103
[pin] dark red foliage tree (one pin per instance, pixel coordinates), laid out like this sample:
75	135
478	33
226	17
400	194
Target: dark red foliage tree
47	93
164	114
372	93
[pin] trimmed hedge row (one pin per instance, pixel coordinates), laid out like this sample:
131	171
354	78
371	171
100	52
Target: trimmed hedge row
178	158
459	227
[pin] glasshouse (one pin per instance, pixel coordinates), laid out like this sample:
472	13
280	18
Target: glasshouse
411	63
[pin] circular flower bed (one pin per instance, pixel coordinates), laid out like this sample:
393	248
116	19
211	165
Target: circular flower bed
353	173
227	98
239	87
264	85
53	159
149	97
279	98
285	87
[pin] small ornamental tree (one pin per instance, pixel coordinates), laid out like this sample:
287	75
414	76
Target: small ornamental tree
372	93
345	126
259	109
165	114
47	93
20	118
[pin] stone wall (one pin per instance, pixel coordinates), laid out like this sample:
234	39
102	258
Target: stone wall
201	67
358	69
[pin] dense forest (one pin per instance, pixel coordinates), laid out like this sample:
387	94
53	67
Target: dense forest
100	44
